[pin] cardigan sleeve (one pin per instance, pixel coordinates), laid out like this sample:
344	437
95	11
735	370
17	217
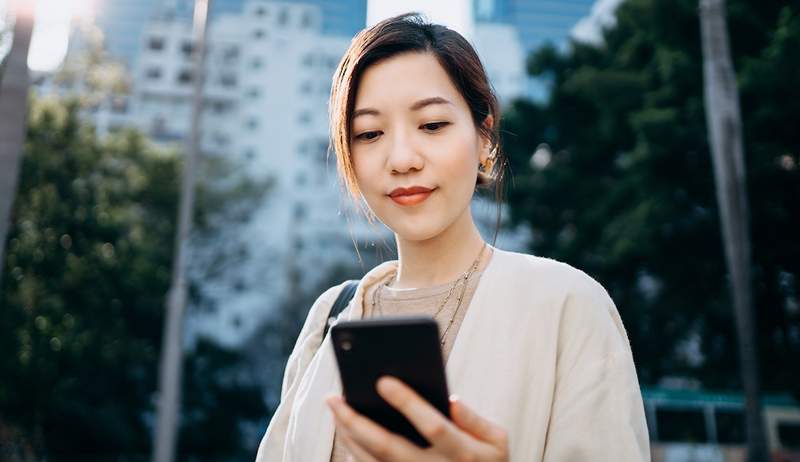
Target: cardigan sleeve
597	411
308	341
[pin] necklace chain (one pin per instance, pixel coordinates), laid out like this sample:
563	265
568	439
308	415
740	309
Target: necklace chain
463	279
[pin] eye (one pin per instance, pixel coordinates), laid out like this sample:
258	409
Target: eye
434	126
368	136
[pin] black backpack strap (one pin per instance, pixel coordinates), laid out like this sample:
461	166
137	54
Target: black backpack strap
340	304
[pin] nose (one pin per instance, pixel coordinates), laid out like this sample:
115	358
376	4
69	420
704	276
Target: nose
404	156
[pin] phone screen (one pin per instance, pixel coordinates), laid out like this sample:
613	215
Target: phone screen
403	347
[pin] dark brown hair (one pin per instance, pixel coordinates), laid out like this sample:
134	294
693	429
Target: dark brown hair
411	33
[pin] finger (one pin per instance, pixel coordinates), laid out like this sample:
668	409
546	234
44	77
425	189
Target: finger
376	440
359	453
477	426
431	423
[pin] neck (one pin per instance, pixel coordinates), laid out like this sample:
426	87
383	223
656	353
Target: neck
440	259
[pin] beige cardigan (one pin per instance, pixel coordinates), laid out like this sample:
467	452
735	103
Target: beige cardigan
541	352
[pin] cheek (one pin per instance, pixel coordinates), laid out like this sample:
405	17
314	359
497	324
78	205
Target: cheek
461	163
365	169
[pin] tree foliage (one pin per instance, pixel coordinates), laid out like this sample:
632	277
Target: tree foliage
82	302
82	296
628	194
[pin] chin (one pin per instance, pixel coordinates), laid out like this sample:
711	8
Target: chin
416	228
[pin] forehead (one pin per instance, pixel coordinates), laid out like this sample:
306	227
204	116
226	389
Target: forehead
399	81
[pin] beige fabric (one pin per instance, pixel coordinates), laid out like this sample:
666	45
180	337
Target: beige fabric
424	301
541	351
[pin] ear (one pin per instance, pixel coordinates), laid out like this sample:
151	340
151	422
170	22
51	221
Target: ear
486	144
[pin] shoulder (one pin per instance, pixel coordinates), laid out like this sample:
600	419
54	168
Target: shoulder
575	299
318	314
539	273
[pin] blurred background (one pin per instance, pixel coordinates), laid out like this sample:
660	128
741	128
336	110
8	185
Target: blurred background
169	207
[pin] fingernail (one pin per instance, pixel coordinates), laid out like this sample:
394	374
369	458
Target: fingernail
454	398
387	384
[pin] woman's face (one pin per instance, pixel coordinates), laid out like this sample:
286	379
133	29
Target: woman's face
415	149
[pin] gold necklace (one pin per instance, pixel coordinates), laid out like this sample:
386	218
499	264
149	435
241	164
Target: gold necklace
464	279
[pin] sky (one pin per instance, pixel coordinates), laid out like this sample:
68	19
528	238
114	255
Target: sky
51	29
589	28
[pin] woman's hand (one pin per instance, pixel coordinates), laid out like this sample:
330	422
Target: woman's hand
468	437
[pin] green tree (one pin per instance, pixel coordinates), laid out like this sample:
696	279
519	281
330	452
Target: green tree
86	272
628	195
83	287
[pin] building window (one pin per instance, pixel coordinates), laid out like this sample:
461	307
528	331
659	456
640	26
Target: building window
219	107
152	73
322	149
681	425
158	126
258	33
306	22
305	87
730	426
186	49
283	17
299	211
301	179
252	123
249	153
227	80
308	60
119	105
155	43
253	93
220	139
261	11
304	117
231	54
185	76
256	63
789	434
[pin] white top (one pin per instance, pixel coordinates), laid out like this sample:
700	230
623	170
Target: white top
541	352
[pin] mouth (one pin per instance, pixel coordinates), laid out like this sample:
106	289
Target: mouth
410	196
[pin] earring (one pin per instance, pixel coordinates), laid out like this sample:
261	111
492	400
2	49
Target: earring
486	166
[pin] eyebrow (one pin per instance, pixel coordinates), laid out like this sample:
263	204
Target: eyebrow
414	107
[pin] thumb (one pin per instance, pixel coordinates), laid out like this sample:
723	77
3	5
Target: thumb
477	426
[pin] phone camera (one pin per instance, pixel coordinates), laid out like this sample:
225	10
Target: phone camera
346	345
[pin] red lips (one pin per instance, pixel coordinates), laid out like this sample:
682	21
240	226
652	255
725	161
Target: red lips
410	196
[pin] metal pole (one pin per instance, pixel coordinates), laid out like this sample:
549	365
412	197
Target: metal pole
171	350
723	118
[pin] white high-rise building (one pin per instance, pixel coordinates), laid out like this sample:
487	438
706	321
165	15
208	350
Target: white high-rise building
163	82
267	83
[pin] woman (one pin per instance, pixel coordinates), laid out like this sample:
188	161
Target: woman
540	358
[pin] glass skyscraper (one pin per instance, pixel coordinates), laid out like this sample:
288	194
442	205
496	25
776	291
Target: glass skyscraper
339	17
537	21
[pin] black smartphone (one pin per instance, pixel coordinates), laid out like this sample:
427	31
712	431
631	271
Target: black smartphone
404	347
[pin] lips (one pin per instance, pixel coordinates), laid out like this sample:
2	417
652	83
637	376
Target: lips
410	196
